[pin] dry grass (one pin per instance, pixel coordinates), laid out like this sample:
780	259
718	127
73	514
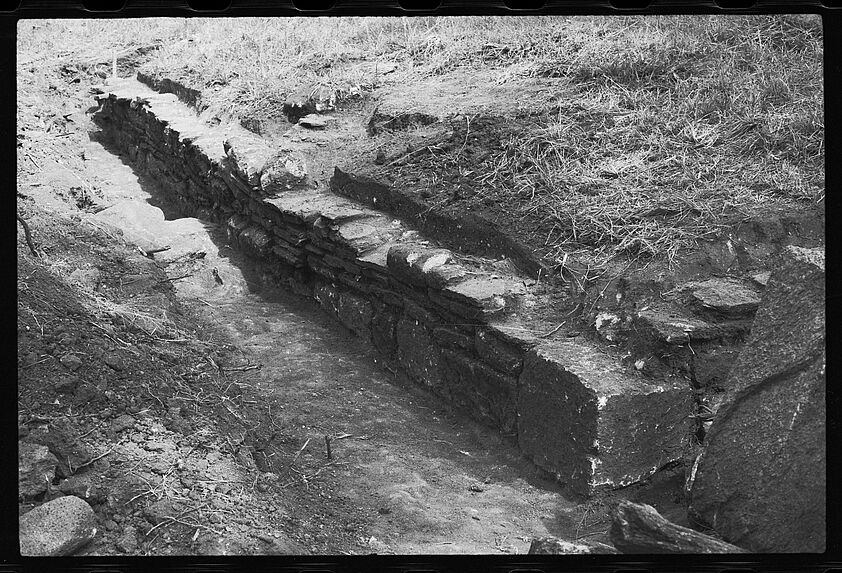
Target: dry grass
675	123
679	125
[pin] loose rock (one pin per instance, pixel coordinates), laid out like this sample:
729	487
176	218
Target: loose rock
123	422
58	527
63	441
727	296
71	361
313	121
639	528
128	541
554	546
67	384
36	468
115	361
82	486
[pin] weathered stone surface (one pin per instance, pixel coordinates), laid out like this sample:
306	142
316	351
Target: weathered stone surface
412	263
300	208
313	121
289	255
163	509
555	546
83	486
36	468
127	543
71	361
417	311
490	294
761	481
254	240
356	313
664	325
639	528
592	425
485	394
499	354
446	275
249	156
122	422
283	172
449	338
418	354
761	279
711	366
234	225
376	259
328	297
727	296
67	384
63	441
383	323
58	527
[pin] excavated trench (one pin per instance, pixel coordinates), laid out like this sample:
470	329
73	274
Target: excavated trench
430	336
465	410
470	333
420	477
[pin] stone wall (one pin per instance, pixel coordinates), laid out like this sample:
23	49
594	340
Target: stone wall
443	322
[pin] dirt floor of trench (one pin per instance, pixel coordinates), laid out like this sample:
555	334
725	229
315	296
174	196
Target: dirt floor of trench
202	399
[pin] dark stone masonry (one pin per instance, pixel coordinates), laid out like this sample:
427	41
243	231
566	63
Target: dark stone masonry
574	411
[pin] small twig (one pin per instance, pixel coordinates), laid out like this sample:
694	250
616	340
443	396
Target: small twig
149	390
92	460
39	362
28	236
299	453
169	519
327	445
241	368
91	431
176	278
553	331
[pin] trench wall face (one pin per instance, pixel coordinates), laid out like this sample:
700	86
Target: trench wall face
422	311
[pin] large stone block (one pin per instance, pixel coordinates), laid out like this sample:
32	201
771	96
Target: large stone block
419	355
302	207
591	424
488	396
761	481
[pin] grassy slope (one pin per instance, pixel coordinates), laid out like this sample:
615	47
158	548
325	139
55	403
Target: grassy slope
679	121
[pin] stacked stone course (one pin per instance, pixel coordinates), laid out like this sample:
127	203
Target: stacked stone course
441	321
